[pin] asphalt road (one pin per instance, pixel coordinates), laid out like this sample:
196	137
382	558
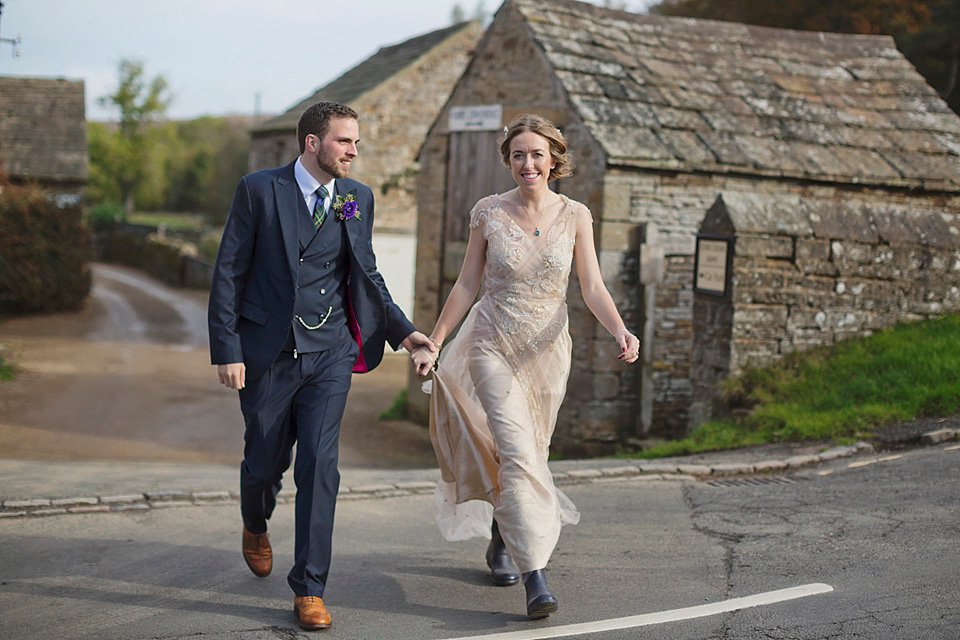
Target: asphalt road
879	537
866	547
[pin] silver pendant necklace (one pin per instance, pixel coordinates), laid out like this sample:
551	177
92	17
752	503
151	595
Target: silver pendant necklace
536	227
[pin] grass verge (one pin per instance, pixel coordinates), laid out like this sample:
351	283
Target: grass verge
6	371
839	393
397	410
179	221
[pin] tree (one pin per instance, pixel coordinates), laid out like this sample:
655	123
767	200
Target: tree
105	163
841	16
480	12
458	14
140	103
926	31
935	50
205	159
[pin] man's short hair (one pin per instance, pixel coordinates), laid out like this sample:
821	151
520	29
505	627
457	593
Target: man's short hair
316	120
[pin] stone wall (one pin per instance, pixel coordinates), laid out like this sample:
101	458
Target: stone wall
660	310
394	119
812	271
174	261
273	149
827	265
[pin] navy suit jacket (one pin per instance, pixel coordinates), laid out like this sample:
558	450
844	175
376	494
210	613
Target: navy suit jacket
255	277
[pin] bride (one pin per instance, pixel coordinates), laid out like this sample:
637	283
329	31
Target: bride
497	386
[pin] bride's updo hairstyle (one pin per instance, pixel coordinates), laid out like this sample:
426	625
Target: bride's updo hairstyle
546	129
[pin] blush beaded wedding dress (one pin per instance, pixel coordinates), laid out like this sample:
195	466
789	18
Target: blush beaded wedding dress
498	388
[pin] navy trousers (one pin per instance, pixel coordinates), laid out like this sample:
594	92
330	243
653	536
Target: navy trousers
298	400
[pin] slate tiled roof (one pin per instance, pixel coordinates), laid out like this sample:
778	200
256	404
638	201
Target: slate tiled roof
365	76
724	97
43	129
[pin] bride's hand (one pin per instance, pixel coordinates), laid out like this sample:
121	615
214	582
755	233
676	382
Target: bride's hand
423	360
629	346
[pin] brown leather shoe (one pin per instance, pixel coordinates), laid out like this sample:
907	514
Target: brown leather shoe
257	553
311	613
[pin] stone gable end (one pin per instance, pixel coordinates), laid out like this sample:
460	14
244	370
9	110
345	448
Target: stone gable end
397	92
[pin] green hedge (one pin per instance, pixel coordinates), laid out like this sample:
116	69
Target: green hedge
44	253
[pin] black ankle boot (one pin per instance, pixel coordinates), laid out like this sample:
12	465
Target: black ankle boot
499	561
540	602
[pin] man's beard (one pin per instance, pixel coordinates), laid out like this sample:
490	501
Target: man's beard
331	166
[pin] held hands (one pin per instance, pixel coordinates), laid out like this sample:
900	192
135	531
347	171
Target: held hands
423	360
629	345
232	376
423	352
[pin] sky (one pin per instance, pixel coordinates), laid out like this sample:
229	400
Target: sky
219	57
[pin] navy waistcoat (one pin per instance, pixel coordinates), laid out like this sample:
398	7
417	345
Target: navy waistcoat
321	285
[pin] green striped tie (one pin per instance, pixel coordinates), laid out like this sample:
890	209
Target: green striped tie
319	213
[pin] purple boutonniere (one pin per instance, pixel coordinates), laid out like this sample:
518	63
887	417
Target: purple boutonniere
346	207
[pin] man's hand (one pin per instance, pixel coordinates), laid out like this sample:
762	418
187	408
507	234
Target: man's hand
417	339
232	376
423	352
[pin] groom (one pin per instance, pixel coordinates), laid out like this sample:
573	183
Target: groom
296	306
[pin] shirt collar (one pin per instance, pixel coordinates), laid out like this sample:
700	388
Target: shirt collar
307	183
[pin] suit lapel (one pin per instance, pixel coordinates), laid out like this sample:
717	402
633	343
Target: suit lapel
353	230
287	197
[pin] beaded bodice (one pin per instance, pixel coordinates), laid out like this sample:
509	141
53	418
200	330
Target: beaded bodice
526	276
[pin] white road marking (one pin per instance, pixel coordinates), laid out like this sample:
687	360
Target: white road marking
674	615
864	463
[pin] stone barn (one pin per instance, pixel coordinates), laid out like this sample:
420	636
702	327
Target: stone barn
812	179
43	135
398	92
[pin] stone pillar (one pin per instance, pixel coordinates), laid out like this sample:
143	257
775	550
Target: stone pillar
651	272
713	312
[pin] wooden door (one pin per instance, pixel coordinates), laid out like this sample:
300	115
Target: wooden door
474	170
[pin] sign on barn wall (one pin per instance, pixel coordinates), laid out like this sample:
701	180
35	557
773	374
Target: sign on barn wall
487	117
711	264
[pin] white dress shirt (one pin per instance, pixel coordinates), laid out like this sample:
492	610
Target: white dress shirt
308	187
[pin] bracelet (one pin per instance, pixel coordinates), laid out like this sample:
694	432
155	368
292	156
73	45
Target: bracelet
437	344
436	358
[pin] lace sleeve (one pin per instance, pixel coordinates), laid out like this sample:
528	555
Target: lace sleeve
478	215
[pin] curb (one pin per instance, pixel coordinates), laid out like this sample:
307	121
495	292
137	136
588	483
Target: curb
644	470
